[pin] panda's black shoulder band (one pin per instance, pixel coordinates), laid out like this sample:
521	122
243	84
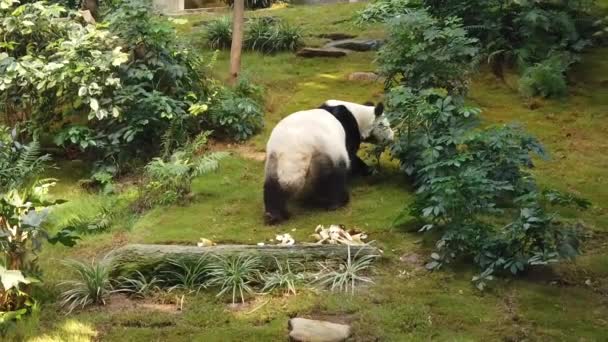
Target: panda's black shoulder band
349	123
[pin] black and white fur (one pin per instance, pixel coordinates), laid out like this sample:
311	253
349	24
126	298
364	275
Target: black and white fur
309	154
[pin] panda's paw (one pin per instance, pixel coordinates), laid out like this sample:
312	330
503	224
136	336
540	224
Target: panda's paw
272	220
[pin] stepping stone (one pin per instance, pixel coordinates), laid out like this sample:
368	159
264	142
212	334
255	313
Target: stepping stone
363	76
309	330
321	52
337	36
356	44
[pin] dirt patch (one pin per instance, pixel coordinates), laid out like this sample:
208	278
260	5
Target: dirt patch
119	239
244	150
121	303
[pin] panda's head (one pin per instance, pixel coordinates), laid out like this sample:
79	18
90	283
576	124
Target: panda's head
381	130
373	124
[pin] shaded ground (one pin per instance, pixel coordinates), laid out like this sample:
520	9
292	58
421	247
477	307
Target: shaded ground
567	302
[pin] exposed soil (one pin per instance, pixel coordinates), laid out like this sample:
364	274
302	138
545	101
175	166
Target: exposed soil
121	303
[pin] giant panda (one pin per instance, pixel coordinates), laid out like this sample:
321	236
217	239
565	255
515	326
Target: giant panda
310	154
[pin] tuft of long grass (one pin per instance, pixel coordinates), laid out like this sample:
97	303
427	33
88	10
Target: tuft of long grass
235	274
219	33
139	286
92	285
271	36
348	274
283	278
189	275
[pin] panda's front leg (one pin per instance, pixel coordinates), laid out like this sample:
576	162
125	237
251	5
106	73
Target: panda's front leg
359	168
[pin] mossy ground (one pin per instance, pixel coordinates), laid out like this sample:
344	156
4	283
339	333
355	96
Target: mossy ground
566	302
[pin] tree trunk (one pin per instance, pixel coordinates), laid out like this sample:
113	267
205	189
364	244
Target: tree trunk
91	6
149	258
237	40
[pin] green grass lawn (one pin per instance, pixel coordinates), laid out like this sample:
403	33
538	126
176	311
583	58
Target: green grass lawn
406	302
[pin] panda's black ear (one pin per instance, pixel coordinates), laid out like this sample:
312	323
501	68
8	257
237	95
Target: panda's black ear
379	109
369	103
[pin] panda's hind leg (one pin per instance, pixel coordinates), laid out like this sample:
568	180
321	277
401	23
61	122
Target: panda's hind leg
332	192
275	202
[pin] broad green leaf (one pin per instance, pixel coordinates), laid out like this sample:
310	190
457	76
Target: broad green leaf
94	104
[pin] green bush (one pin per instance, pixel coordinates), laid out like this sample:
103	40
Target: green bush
546	79
524	33
24	209
113	89
238	114
170	181
384	10
474	187
424	52
219	33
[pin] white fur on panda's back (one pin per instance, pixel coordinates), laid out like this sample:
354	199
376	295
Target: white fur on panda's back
364	115
297	139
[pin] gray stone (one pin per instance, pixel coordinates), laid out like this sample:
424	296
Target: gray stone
356	44
321	52
363	76
337	36
308	330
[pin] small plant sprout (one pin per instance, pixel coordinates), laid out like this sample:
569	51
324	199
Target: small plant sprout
348	275
139	286
92	285
235	274
190	275
283	278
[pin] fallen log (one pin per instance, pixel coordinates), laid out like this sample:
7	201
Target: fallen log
149	258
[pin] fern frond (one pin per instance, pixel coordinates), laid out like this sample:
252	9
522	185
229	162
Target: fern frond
208	163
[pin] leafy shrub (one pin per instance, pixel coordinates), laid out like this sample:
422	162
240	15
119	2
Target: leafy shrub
235	274
524	32
92	286
469	181
20	164
24	208
219	33
113	91
78	74
546	79
106	216
347	275
423	52
237	113
271	35
170	181
384	10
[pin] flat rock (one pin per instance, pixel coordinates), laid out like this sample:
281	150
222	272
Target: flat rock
309	330
337	36
356	44
321	52
363	76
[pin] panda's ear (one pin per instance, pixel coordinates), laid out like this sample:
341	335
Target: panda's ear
379	109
